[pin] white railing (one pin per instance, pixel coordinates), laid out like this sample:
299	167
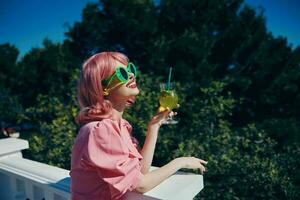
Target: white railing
24	179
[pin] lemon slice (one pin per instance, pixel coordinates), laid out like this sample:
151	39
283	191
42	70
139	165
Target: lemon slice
161	109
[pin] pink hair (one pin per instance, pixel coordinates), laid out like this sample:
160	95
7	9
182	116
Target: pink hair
93	105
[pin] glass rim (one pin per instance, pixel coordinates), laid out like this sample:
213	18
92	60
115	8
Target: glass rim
164	85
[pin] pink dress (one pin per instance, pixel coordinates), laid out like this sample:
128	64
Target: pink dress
105	161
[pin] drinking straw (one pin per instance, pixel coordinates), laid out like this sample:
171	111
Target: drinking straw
169	80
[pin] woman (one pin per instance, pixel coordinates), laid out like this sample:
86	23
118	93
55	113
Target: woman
105	160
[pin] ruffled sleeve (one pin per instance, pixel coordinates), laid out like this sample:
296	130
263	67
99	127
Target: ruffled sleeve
107	153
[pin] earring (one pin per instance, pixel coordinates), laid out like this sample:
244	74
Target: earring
105	92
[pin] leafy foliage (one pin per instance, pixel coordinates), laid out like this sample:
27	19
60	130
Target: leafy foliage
53	130
238	88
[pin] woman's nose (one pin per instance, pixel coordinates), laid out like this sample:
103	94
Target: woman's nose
131	75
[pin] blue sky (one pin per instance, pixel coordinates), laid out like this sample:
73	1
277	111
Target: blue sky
26	23
283	17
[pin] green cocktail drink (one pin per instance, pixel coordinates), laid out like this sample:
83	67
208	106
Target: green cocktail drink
168	98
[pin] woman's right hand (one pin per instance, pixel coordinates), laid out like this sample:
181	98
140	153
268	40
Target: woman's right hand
191	163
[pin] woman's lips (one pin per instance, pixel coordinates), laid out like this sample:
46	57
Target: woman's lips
131	84
130	101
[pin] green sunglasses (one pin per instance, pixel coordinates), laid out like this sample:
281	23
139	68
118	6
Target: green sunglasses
121	74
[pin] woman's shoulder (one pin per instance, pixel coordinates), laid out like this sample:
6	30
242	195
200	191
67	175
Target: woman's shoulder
105	127
96	130
96	125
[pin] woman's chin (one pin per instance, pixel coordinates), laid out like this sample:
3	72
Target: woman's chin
137	91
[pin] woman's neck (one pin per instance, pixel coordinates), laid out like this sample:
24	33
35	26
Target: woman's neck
118	110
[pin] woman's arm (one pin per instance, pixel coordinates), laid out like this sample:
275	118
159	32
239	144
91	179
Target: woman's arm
148	148
151	137
155	177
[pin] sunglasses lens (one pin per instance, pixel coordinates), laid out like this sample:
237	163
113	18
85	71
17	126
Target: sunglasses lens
124	74
132	68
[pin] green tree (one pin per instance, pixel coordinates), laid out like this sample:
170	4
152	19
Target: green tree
238	87
8	60
53	132
202	41
45	71
10	103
